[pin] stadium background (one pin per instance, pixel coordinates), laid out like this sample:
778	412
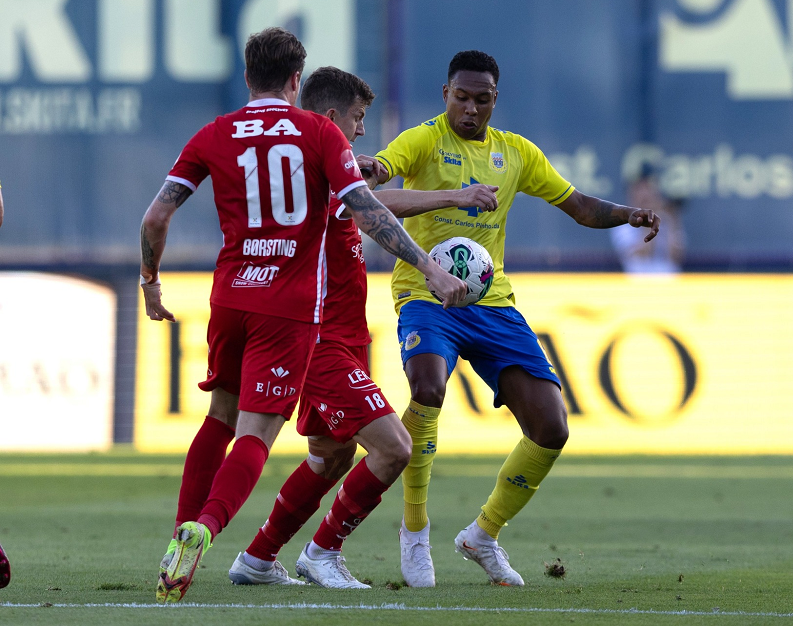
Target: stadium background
97	97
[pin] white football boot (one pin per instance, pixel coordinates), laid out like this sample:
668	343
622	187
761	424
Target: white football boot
414	547
493	559
243	574
328	571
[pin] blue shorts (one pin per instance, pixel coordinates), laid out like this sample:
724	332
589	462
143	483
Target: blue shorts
489	338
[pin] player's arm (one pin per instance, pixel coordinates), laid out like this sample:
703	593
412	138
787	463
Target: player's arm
153	232
410	202
596	213
380	224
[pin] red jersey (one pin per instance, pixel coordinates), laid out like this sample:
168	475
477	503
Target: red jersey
272	167
345	302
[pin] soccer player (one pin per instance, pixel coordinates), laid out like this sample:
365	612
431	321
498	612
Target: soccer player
272	166
341	406
455	149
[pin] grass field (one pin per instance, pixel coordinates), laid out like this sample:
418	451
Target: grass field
645	540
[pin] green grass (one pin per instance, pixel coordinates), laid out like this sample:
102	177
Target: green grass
644	540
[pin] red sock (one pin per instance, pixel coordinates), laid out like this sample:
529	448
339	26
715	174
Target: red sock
233	483
359	495
297	501
204	458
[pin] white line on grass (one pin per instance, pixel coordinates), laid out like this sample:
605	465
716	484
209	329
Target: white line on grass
392	607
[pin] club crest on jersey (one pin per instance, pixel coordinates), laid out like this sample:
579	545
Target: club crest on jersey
497	162
251	275
412	340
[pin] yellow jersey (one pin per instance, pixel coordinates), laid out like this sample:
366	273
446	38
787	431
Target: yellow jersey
432	156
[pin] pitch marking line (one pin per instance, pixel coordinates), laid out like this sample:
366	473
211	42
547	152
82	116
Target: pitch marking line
392	607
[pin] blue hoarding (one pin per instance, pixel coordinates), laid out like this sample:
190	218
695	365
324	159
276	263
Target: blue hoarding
97	97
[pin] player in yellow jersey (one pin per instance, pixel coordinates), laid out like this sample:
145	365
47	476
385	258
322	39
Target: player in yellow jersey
453	150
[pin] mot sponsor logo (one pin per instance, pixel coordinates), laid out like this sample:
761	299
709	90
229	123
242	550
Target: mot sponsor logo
251	275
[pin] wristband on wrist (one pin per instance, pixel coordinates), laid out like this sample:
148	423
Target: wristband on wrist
143	281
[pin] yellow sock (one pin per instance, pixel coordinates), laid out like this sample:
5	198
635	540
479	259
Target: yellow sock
518	480
422	424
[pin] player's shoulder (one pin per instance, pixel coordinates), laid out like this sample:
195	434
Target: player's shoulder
428	131
512	139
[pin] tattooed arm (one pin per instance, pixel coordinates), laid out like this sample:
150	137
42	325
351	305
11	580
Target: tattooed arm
380	224
153	232
596	213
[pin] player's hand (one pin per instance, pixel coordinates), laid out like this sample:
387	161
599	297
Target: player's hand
371	170
450	289
479	195
152	296
648	219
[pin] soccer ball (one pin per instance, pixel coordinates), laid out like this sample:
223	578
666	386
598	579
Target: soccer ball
468	261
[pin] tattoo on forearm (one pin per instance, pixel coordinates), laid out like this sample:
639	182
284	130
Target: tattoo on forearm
377	222
606	215
174	193
146	251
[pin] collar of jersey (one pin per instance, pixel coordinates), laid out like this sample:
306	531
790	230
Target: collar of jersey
264	102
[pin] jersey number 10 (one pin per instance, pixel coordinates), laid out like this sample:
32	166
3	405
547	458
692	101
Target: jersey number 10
288	196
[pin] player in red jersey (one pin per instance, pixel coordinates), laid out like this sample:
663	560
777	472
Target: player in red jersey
341	405
272	166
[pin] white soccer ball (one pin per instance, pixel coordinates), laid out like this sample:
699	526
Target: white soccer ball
468	261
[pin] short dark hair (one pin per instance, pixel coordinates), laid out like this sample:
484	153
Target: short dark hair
271	57
332	88
473	61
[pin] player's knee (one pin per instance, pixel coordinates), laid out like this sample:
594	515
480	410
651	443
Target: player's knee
558	438
428	393
402	454
338	469
339	465
391	459
555	432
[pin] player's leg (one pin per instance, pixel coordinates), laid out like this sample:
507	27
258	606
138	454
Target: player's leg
523	380
299	498
233	483
388	446
206	454
208	449
204	457
276	356
352	408
429	353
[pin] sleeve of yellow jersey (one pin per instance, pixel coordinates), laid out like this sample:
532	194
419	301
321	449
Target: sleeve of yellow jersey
539	178
406	154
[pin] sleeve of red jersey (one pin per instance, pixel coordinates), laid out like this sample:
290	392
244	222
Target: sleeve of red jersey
190	169
341	168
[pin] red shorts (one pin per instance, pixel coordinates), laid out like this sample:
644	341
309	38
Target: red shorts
339	398
261	358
